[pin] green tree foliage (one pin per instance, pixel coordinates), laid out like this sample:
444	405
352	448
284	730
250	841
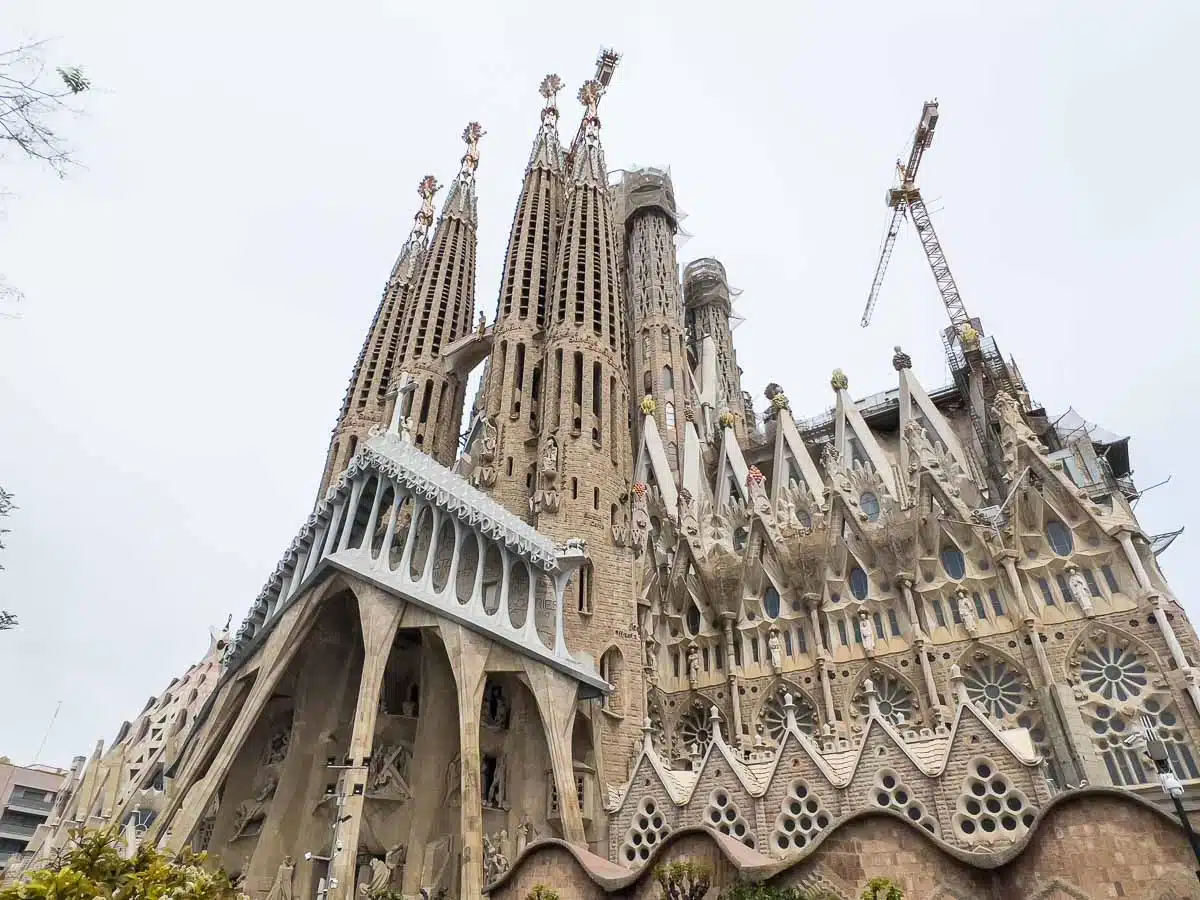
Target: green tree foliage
541	892
754	890
93	867
882	889
680	880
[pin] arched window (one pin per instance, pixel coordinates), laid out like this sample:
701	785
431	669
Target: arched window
669	411
1060	538
869	504
666	341
859	585
771	602
668	379
953	563
693	618
584	581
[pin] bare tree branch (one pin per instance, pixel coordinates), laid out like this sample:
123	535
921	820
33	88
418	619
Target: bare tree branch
7	619
31	99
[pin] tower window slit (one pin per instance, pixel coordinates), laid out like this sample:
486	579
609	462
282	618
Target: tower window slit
426	399
518	380
577	395
597	400
595	498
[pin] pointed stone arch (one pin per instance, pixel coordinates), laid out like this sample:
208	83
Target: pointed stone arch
899	695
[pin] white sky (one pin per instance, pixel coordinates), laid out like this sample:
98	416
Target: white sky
197	295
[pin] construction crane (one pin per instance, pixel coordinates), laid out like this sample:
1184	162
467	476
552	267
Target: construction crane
907	199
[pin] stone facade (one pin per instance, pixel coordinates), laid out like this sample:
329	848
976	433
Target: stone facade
636	618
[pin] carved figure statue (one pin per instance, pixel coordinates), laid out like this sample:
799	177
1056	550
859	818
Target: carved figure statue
496	707
756	487
1080	590
550	456
775	650
482	323
406	429
693	666
652	661
281	888
497	789
254	809
639	521
867	632
495	861
966	611
526	834
453	795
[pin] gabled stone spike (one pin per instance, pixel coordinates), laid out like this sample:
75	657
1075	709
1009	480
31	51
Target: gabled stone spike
872	697
715	718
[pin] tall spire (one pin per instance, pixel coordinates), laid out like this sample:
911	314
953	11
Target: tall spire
589	165
461	201
512	383
366	395
441	311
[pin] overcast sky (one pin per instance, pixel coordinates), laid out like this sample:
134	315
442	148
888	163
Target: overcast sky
196	296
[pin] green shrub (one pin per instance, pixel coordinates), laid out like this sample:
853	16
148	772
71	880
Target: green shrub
683	880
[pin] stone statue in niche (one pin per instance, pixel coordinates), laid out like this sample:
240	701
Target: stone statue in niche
550	458
411	705
867	632
496	708
495	781
281	888
967	612
693	666
249	816
775	650
1080	591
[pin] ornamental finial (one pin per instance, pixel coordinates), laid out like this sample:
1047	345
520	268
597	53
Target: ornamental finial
838	380
589	95
901	360
470	161
549	88
424	217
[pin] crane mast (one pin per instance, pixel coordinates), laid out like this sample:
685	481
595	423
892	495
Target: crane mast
906	199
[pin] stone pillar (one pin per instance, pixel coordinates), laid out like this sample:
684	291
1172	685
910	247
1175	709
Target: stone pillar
1135	561
1008	559
433	750
380	615
468	654
556	696
822	659
918	640
735	698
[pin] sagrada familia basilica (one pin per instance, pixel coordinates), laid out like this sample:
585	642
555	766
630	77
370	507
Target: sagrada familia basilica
628	619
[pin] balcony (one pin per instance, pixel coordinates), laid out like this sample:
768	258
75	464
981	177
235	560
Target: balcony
16	830
33	805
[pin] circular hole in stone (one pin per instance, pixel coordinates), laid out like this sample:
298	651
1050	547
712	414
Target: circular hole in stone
644	853
999	786
731	814
978	788
715	815
928	826
883	799
806	823
651	837
643	822
914	813
801	789
799	840
1014	803
988	825
822	821
811	805
901	797
993	805
720	798
973	807
648	806
789	824
658	821
967	826
739	829
1008	823
630	854
889	782
1027	820
983	770
635	838
782	842
795	808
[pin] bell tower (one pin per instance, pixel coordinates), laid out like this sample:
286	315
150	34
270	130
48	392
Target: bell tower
441	311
